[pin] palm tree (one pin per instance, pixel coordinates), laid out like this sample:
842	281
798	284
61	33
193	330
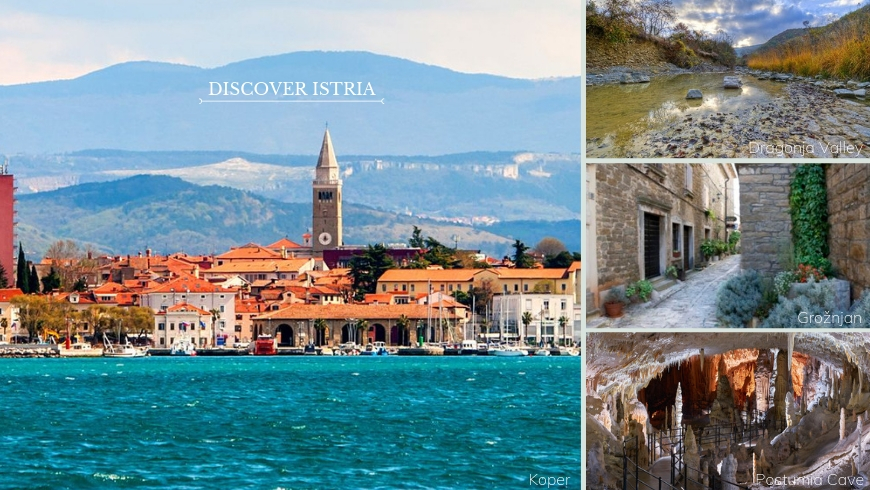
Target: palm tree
215	316
403	323
527	320
320	326
563	323
5	324
362	326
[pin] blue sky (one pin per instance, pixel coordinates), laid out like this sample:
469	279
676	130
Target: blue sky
517	38
753	22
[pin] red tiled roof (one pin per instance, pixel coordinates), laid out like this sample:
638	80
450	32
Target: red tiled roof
344	312
110	288
188	283
436	275
182	307
249	252
284	242
7	294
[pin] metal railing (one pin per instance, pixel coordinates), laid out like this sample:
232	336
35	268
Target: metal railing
748	431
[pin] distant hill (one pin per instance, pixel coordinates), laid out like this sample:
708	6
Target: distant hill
506	186
837	50
776	40
168	214
745	50
427	110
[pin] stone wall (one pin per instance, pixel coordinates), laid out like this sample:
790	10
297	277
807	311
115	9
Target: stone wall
849	216
764	215
624	192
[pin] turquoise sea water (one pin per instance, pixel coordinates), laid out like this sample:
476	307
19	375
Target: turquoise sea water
297	422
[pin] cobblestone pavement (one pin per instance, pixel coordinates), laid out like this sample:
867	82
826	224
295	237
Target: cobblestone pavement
691	305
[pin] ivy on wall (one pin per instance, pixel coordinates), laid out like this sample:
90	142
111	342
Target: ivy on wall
808	205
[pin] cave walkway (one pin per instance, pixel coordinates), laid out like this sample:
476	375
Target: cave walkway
691	305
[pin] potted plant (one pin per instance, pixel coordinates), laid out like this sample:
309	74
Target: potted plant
708	248
614	302
676	254
671	272
642	289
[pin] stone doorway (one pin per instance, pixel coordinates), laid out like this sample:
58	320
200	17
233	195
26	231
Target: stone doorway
652	245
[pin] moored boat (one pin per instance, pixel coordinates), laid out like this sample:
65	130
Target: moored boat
507	350
375	349
80	349
265	346
183	346
122	350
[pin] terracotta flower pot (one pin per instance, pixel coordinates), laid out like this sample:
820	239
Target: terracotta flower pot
613	310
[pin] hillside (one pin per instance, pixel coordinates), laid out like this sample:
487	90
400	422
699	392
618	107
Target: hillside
168	214
427	110
837	50
503	185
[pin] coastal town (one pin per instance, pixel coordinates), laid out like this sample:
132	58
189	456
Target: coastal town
316	295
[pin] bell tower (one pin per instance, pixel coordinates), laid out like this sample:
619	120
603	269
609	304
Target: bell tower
326	212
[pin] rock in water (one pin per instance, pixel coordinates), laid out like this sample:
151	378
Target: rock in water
694	94
732	82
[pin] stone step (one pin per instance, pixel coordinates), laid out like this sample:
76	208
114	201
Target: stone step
662	283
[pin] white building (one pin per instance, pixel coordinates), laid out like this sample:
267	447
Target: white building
197	293
180	320
550	318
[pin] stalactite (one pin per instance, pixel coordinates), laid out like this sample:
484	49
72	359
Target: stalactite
780	386
790	349
678	406
842	423
702	359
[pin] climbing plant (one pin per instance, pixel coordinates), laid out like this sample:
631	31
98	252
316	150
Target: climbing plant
808	205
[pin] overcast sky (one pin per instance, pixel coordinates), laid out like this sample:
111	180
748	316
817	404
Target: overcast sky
755	21
517	38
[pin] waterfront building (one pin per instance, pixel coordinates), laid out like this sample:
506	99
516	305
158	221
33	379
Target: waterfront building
218	301
9	321
294	324
184	319
550	318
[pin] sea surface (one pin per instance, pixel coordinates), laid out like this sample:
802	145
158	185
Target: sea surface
289	422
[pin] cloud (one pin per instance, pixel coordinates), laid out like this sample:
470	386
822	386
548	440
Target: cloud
756	21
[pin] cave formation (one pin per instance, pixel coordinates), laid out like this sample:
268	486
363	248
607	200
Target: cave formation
733	406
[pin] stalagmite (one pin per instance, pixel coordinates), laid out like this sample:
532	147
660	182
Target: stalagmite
692	459
702	360
754	468
674	417
780	387
678	406
842	423
729	473
790	349
789	410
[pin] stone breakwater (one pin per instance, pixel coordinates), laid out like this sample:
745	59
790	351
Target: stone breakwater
12	351
809	121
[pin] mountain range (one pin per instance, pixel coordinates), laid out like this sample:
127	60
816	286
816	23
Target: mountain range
427	110
168	214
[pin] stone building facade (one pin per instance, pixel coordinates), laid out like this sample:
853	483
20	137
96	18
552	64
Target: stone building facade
764	215
849	216
642	218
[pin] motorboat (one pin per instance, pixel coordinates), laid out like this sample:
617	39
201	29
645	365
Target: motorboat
265	346
122	350
542	352
507	350
80	349
469	348
375	349
310	350
183	346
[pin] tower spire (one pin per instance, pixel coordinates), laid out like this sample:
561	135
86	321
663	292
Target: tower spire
327	153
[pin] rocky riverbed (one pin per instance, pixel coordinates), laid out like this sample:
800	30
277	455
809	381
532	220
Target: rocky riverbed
628	74
807	119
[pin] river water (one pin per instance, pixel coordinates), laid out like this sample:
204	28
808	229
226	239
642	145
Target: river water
297	422
617	113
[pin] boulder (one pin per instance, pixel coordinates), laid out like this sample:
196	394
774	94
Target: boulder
861	92
733	82
843	92
694	94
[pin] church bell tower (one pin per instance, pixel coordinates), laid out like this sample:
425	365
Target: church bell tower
326	212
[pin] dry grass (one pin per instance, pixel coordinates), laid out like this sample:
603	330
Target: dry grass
840	50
